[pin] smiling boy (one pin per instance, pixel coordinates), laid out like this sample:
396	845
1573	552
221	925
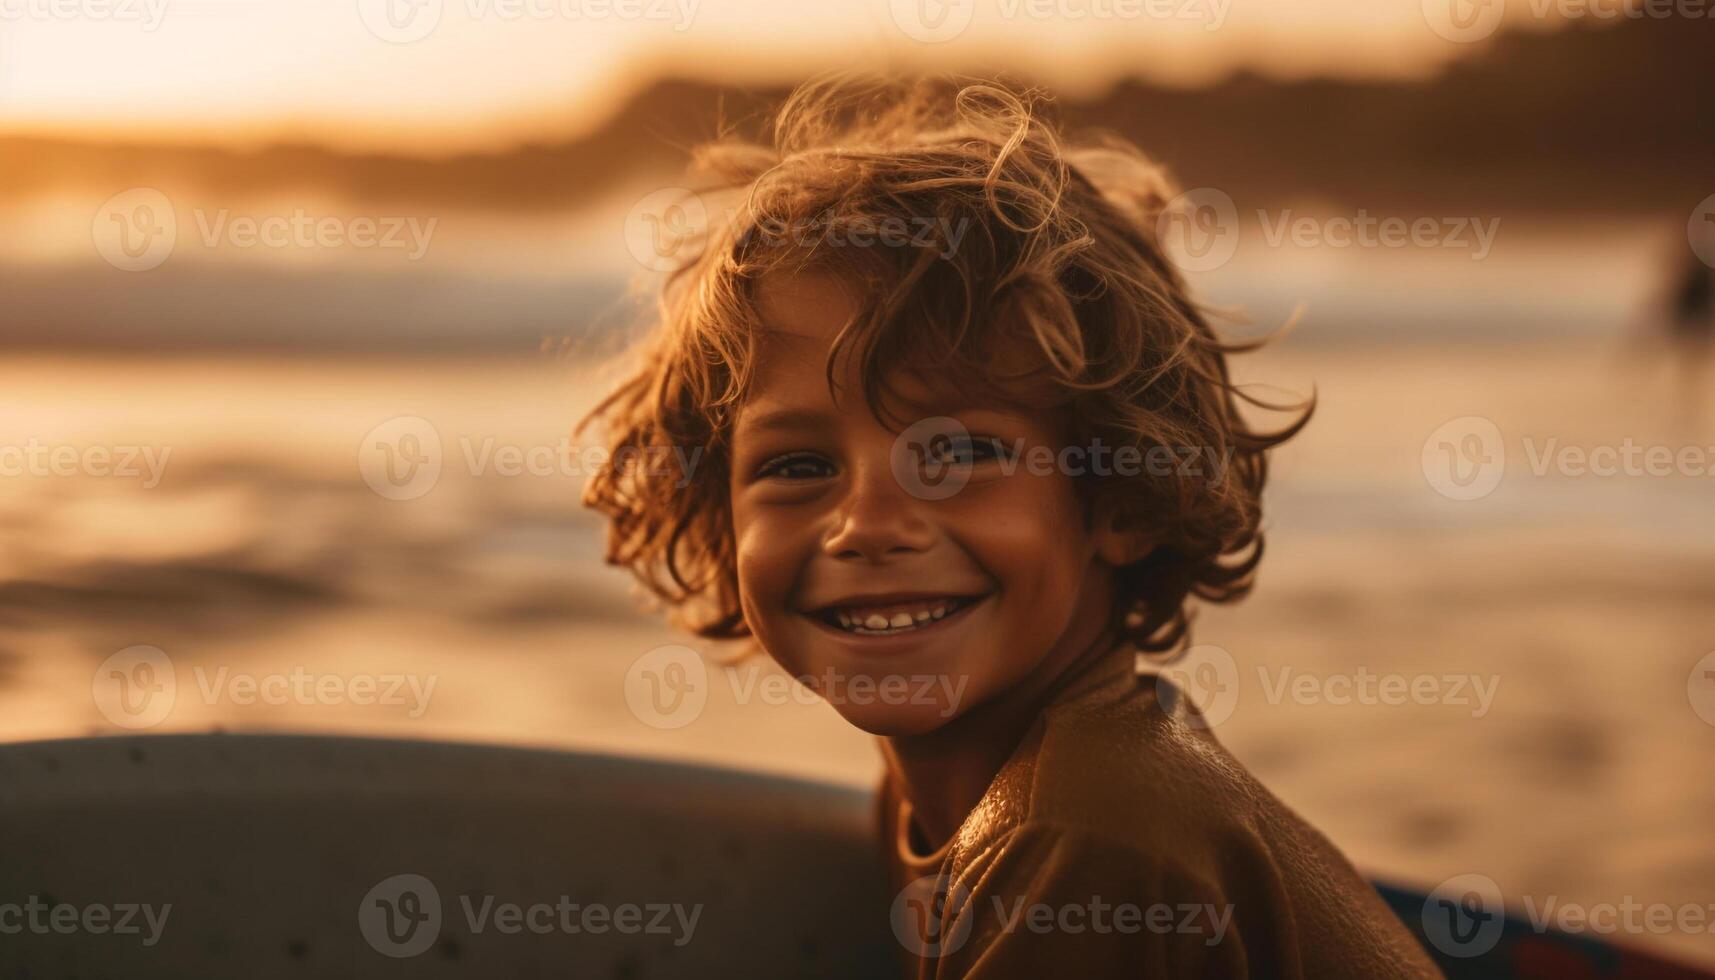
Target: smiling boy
862	515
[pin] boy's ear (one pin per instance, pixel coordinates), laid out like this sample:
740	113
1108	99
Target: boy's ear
1120	542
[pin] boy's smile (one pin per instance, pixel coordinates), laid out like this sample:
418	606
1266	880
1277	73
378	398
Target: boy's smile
892	615
844	571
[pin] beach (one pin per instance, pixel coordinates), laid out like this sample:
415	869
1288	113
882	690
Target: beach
1501	684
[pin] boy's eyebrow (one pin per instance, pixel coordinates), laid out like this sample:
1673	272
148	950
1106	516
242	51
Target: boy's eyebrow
795	419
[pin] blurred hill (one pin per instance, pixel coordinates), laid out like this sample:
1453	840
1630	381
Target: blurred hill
1600	118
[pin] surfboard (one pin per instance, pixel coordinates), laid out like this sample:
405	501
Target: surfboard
262	856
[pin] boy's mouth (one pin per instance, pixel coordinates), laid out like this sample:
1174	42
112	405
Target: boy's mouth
879	618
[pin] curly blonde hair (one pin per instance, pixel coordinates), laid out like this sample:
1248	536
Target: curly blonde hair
1019	235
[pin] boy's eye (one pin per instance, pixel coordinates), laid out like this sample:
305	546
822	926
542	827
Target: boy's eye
965	450
795	466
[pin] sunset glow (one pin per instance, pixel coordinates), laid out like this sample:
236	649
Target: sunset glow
493	71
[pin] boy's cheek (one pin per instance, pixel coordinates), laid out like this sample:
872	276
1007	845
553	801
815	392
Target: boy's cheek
1017	490
753	557
1019	535
769	631
766	579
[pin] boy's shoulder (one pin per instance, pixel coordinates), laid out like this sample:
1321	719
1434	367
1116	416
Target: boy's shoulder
1129	761
1121	793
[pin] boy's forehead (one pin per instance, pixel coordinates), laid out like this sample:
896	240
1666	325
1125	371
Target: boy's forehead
798	387
792	371
809	304
802	314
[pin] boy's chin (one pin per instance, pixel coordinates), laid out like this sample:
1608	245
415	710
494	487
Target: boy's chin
898	720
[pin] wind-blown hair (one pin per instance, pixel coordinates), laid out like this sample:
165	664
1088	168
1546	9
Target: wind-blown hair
1005	232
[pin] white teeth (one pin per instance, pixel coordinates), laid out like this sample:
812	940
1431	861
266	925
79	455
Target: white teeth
879	622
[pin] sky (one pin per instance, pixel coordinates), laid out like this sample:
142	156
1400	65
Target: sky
446	75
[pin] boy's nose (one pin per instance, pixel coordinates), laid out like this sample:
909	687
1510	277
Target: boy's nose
878	519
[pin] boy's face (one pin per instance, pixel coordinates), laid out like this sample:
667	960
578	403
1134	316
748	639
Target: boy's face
903	610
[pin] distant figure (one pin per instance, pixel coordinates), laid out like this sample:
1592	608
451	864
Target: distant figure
1693	315
1690	328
